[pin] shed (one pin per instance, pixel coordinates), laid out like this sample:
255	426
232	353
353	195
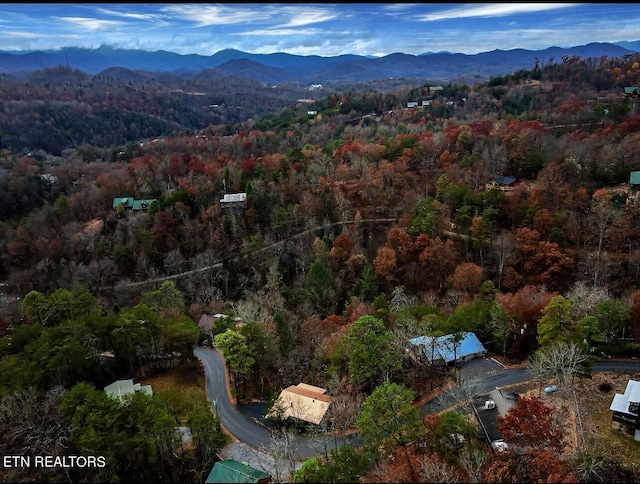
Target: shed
443	349
230	470
634	179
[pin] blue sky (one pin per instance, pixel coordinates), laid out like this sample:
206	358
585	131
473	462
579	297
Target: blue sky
326	29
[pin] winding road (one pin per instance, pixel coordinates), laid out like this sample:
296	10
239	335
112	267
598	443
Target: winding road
255	435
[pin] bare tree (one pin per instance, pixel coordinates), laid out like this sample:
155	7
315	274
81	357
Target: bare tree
435	470
282	448
503	248
472	460
585	298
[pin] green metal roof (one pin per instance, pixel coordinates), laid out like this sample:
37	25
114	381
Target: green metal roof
142	204
631	90
127	202
634	179
233	471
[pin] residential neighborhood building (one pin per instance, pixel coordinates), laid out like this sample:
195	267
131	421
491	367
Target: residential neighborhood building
233	200
230	470
442	350
130	203
121	388
626	409
502	183
301	402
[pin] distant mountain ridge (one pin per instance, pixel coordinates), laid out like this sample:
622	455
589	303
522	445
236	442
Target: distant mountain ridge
289	68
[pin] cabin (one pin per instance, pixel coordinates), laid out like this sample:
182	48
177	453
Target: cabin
130	203
443	350
502	183
625	409
302	402
233	200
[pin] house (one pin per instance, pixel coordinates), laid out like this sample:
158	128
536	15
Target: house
233	200
130	203
435	88
633	190
631	91
125	202
142	204
121	388
442	350
230	470
502	183
626	408
301	402
412	104
426	102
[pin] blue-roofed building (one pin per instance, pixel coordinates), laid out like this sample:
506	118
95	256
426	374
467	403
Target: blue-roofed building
442	350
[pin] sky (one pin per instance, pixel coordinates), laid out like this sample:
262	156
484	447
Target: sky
324	29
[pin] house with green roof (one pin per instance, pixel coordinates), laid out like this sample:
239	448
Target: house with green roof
130	203
230	470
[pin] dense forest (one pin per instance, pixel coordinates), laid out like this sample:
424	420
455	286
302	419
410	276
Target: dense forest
363	217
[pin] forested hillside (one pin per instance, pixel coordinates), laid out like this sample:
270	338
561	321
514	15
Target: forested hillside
356	206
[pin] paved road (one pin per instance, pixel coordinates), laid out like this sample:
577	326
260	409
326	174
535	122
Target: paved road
239	425
484	379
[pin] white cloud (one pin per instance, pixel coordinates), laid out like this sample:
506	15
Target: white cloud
92	24
205	15
305	16
128	15
493	10
282	32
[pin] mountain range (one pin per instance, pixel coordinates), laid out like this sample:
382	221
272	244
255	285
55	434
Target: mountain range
295	69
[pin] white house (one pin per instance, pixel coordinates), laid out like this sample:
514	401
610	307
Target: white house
121	388
626	408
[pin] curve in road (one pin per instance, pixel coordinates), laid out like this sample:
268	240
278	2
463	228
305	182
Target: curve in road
259	437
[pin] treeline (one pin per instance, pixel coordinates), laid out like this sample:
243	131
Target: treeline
60	108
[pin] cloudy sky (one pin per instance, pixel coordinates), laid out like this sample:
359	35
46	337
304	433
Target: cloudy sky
325	29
